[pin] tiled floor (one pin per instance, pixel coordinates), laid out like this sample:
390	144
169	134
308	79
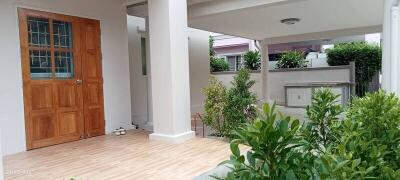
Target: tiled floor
132	156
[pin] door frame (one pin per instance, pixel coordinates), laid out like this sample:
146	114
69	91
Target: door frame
24	49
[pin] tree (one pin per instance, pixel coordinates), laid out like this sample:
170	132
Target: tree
291	59
214	106
252	60
240	104
211	46
216	64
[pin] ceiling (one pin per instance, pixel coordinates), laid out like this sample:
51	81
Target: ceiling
192	2
262	20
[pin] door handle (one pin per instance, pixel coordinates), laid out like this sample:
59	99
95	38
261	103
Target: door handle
78	81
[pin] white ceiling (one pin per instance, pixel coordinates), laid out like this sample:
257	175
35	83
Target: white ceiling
316	15
262	20
192	2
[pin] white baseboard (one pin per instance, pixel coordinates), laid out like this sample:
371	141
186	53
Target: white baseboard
173	138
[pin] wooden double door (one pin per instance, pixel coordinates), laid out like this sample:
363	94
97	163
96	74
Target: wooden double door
62	77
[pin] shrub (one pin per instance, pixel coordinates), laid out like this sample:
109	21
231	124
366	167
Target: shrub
218	64
275	149
323	114
215	102
240	102
367	58
291	59
370	146
252	60
211	46
376	119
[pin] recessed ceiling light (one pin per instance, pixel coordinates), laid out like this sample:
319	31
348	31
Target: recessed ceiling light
290	21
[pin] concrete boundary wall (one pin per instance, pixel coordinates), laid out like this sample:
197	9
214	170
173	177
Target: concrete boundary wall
278	78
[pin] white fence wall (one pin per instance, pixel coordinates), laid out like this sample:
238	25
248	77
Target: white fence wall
279	78
311	63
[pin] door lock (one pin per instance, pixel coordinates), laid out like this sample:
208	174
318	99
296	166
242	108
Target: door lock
78	81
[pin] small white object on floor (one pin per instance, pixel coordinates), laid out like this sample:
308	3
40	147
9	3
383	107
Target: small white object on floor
120	131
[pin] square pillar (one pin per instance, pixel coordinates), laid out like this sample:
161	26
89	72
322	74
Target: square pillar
264	71
1	160
391	45
149	124
169	61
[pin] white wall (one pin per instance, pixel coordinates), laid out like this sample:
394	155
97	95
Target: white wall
199	70
199	67
112	16
139	89
1	161
279	78
227	77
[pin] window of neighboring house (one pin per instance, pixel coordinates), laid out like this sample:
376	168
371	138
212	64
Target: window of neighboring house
143	52
235	62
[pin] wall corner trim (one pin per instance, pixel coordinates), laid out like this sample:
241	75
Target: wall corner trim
178	138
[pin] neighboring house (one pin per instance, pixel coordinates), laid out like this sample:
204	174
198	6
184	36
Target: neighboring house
232	49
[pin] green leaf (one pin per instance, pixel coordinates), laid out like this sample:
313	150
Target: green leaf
283	126
265	169
235	149
355	163
341	165
290	175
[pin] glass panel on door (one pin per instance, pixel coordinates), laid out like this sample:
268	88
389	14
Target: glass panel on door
64	64
62	33
40	64
38	32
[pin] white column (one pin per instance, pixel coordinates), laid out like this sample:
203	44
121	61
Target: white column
149	123
168	33
1	160
391	45
386	46
264	71
394	58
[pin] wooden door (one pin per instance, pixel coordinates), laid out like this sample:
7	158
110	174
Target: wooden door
52	57
92	76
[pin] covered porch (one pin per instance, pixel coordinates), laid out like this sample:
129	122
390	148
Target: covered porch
170	149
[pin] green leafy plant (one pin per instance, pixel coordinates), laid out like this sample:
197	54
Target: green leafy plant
321	129
275	149
370	138
252	60
218	64
341	165
367	58
215	102
291	59
240	101
211	46
365	145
